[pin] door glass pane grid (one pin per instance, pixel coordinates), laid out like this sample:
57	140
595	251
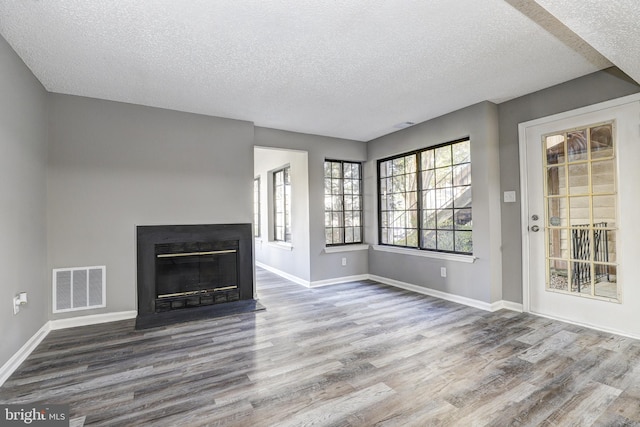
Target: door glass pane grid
558	277
580	237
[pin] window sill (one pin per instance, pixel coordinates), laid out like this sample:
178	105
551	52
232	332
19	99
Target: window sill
346	248
427	254
281	245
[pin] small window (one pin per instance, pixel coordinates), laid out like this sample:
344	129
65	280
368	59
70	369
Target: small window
256	207
424	199
282	205
342	202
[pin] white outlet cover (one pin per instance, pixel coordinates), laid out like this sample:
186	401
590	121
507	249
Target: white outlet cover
509	196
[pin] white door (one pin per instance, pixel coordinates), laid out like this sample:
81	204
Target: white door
580	175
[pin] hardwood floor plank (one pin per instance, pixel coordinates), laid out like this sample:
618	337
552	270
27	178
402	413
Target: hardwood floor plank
585	406
339	408
555	342
352	354
554	392
626	407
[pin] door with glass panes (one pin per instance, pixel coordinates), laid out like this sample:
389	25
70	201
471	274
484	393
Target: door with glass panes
573	213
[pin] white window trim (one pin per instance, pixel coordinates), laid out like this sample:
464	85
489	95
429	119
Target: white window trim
286	246
425	253
346	248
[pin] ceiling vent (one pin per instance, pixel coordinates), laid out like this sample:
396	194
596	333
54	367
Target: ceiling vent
403	125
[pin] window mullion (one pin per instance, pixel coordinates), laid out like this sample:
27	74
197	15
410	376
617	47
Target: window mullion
276	202
378	166
344	225
419	196
336	172
285	176
453	211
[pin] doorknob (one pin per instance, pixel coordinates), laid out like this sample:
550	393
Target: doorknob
535	228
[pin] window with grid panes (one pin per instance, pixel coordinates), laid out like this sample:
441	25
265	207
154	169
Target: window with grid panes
424	199
282	205
342	202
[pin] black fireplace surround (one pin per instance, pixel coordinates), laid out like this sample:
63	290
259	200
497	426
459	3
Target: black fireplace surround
191	272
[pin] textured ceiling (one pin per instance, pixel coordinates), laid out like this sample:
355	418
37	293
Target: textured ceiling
344	68
612	27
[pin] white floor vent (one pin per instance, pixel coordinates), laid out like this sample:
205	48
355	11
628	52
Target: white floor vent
79	288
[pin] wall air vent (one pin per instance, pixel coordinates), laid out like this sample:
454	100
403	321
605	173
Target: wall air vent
79	288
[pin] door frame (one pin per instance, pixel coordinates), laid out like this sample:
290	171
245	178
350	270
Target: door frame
524	194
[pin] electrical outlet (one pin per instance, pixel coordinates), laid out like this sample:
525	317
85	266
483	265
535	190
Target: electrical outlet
443	271
16	305
344	261
18	300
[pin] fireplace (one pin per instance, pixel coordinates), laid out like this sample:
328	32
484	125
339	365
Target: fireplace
190	272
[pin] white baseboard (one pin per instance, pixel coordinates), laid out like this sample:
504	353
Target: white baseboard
92	319
285	275
498	305
21	355
338	280
316	283
432	292
507	305
588	325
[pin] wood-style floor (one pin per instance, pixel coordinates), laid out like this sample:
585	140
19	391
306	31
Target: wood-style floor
357	354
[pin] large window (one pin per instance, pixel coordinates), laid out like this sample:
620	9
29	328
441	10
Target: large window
342	202
256	207
424	199
282	205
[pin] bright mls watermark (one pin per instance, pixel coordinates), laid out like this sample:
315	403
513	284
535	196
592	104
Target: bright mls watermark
34	415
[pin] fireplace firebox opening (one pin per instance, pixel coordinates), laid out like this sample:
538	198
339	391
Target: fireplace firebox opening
191	274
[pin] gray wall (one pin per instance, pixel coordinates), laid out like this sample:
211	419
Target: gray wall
588	90
481	280
23	159
323	266
113	166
